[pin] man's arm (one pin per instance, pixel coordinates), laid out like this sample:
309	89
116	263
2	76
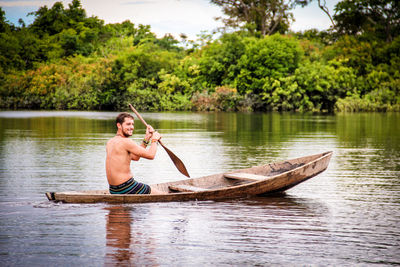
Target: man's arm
143	145
145	142
138	152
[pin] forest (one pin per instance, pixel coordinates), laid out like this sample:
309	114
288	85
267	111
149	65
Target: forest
65	60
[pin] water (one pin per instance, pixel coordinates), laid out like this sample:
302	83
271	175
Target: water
349	215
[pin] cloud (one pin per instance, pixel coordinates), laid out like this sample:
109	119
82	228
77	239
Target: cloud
32	3
164	16
138	2
312	17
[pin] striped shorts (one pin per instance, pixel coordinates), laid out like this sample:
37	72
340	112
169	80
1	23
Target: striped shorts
130	187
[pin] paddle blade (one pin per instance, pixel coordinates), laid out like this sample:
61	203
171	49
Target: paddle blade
178	163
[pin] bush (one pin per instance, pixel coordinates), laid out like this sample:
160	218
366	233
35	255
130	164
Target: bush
272	57
218	61
223	99
76	83
314	86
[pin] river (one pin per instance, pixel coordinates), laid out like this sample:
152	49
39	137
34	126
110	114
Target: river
348	215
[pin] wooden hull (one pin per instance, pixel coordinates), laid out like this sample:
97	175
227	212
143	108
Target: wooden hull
259	180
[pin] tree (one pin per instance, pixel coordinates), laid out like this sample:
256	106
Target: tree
265	60
324	8
168	42
265	17
56	19
49	21
69	28
218	62
375	18
3	23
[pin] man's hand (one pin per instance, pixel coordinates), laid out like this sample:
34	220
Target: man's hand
149	133
156	136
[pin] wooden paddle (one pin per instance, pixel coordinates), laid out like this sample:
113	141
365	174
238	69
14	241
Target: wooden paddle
178	163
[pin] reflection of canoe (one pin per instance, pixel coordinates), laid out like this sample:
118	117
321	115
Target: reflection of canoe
265	179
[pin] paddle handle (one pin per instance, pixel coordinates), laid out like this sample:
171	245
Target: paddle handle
142	120
138	115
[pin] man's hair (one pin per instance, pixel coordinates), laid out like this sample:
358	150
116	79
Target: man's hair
121	117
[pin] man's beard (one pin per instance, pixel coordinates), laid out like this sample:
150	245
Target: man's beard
125	133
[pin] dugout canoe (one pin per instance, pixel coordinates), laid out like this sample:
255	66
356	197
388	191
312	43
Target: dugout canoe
259	180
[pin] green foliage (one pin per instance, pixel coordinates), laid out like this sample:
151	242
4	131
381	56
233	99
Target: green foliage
219	60
168	42
320	38
55	33
20	50
69	85
259	17
223	98
49	22
155	99
374	101
4	26
370	18
272	57
313	87
171	84
66	60
144	76
359	55
141	65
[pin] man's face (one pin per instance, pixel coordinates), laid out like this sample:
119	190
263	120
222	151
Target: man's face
127	127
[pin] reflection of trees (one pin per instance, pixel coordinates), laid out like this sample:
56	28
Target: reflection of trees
61	141
247	137
371	143
248	130
380	130
125	246
253	139
63	124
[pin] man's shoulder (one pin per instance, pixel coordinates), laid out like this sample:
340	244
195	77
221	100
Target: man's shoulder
117	140
111	140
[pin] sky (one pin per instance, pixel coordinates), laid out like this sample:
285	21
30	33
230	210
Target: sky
190	17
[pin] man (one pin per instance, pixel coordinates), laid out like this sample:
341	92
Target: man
121	150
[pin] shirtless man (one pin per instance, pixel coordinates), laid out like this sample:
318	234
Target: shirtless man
121	150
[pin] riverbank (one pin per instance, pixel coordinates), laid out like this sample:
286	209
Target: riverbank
86	65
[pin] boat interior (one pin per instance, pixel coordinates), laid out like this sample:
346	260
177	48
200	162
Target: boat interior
229	179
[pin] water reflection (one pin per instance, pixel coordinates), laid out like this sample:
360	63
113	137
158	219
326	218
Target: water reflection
344	216
189	232
118	235
126	244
